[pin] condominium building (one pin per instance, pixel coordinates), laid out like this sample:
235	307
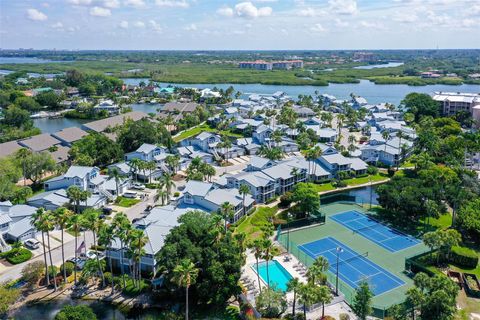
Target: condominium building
453	102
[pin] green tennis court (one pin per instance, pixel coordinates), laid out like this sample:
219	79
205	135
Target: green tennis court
392	262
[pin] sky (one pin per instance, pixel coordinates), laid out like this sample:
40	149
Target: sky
239	25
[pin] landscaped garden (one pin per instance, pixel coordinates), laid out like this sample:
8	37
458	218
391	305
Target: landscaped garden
126	202
203	128
17	255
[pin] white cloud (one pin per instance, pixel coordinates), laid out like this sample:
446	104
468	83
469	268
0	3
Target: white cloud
317	28
372	25
35	15
225	11
340	23
100	12
111	4
139	24
346	7
249	11
123	24
155	26
57	25
306	12
172	3
190	27
80	2
134	3
406	17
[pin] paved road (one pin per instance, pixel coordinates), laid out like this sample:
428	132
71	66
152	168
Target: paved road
14	272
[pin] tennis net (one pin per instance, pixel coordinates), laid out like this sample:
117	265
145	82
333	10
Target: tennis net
370	227
355	257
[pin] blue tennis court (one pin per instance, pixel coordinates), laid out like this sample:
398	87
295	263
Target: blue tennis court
352	267
382	235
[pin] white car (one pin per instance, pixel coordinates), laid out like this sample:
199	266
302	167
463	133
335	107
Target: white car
131	195
32	243
92	254
138	186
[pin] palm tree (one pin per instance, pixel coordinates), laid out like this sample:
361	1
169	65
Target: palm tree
75	223
137	241
386	137
400	136
340	121
162	195
267	255
166	182
105	238
227	213
122	229
22	155
227	144
184	275
257	247
150	166
94	224
62	218
76	195
324	296
47	224
244	190
306	297
115	174
135	164
37	220
294	285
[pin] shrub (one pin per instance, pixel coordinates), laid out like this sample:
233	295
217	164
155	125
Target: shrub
176	194
285	200
273	199
16	256
80	312
32	272
108	277
68	268
464	257
152	185
344	316
391	171
372	170
52	271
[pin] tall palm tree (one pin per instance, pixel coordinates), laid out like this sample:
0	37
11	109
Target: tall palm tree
227	213
257	247
184	275
37	220
162	195
115	174
122	229
75	224
22	155
151	166
137	240
76	195
267	255
94	224
386	137
400	136
227	144
166	182
294	285
306	297
47	224
244	190
62	218
105	238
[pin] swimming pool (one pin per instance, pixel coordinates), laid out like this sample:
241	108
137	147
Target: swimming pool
279	277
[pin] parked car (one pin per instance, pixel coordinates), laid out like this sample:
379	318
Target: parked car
107	211
92	255
32	243
78	262
138	186
132	195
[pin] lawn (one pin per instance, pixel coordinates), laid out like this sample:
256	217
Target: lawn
252	225
201	128
126	202
353	182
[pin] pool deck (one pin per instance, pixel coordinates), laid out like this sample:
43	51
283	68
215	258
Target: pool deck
335	308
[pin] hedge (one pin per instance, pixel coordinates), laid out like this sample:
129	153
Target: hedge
464	257
17	256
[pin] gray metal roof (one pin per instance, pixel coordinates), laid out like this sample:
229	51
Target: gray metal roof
101	125
21	210
19	228
40	142
197	188
78	171
9	148
70	135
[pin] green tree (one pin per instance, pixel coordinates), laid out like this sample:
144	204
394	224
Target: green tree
17	117
32	273
97	147
166	181
95	224
362	301
75	225
184	275
76	196
324	296
49	99
271	303
244	190
307	198
469	218
122	228
37	164
38	220
227	212
8	296
257	248
420	105
294	285
114	174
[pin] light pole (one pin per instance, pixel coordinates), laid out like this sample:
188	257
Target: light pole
339	250
370	180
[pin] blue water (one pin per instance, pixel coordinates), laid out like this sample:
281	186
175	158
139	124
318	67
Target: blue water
374	93
17	60
376	66
279	277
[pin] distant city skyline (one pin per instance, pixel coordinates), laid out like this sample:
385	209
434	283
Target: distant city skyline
239	25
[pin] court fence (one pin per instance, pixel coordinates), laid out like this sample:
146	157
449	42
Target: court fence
414	265
347	291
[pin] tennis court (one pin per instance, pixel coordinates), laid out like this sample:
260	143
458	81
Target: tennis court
382	235
352	267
